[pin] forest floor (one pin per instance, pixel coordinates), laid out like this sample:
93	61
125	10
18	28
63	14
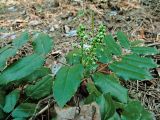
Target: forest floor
140	20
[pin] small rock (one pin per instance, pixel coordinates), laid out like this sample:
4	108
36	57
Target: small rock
7	35
12	9
71	33
158	37
113	13
23	12
56	66
56	26
158	70
52	29
34	23
67	29
87	112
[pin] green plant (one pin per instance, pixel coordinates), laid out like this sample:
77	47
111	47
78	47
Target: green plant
101	63
25	79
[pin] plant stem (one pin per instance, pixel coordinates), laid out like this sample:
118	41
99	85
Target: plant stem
92	15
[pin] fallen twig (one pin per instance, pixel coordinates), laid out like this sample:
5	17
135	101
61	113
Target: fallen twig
45	108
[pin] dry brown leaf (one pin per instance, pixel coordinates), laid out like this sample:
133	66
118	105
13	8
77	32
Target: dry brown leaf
93	7
129	5
142	36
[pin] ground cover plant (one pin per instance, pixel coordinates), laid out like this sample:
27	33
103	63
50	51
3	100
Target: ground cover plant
100	64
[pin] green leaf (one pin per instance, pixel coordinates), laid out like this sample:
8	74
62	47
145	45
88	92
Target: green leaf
74	57
91	88
21	69
5	55
93	93
42	44
103	54
5	48
145	50
112	46
130	71
142	62
21	40
2	98
123	40
33	77
136	43
24	110
41	88
2	102
66	83
19	119
39	73
135	111
11	100
107	84
115	117
90	98
2	115
106	105
119	105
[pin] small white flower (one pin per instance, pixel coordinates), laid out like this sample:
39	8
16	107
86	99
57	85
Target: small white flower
85	46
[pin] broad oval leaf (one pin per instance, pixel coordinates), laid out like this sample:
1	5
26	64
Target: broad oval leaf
130	71
135	111
123	40
21	40
145	50
112	46
21	68
5	55
42	44
107	84
39	73
11	100
139	61
24	110
106	106
41	88
66	83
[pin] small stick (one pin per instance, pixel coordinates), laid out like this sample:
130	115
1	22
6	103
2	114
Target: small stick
44	109
153	44
63	63
100	69
34	114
